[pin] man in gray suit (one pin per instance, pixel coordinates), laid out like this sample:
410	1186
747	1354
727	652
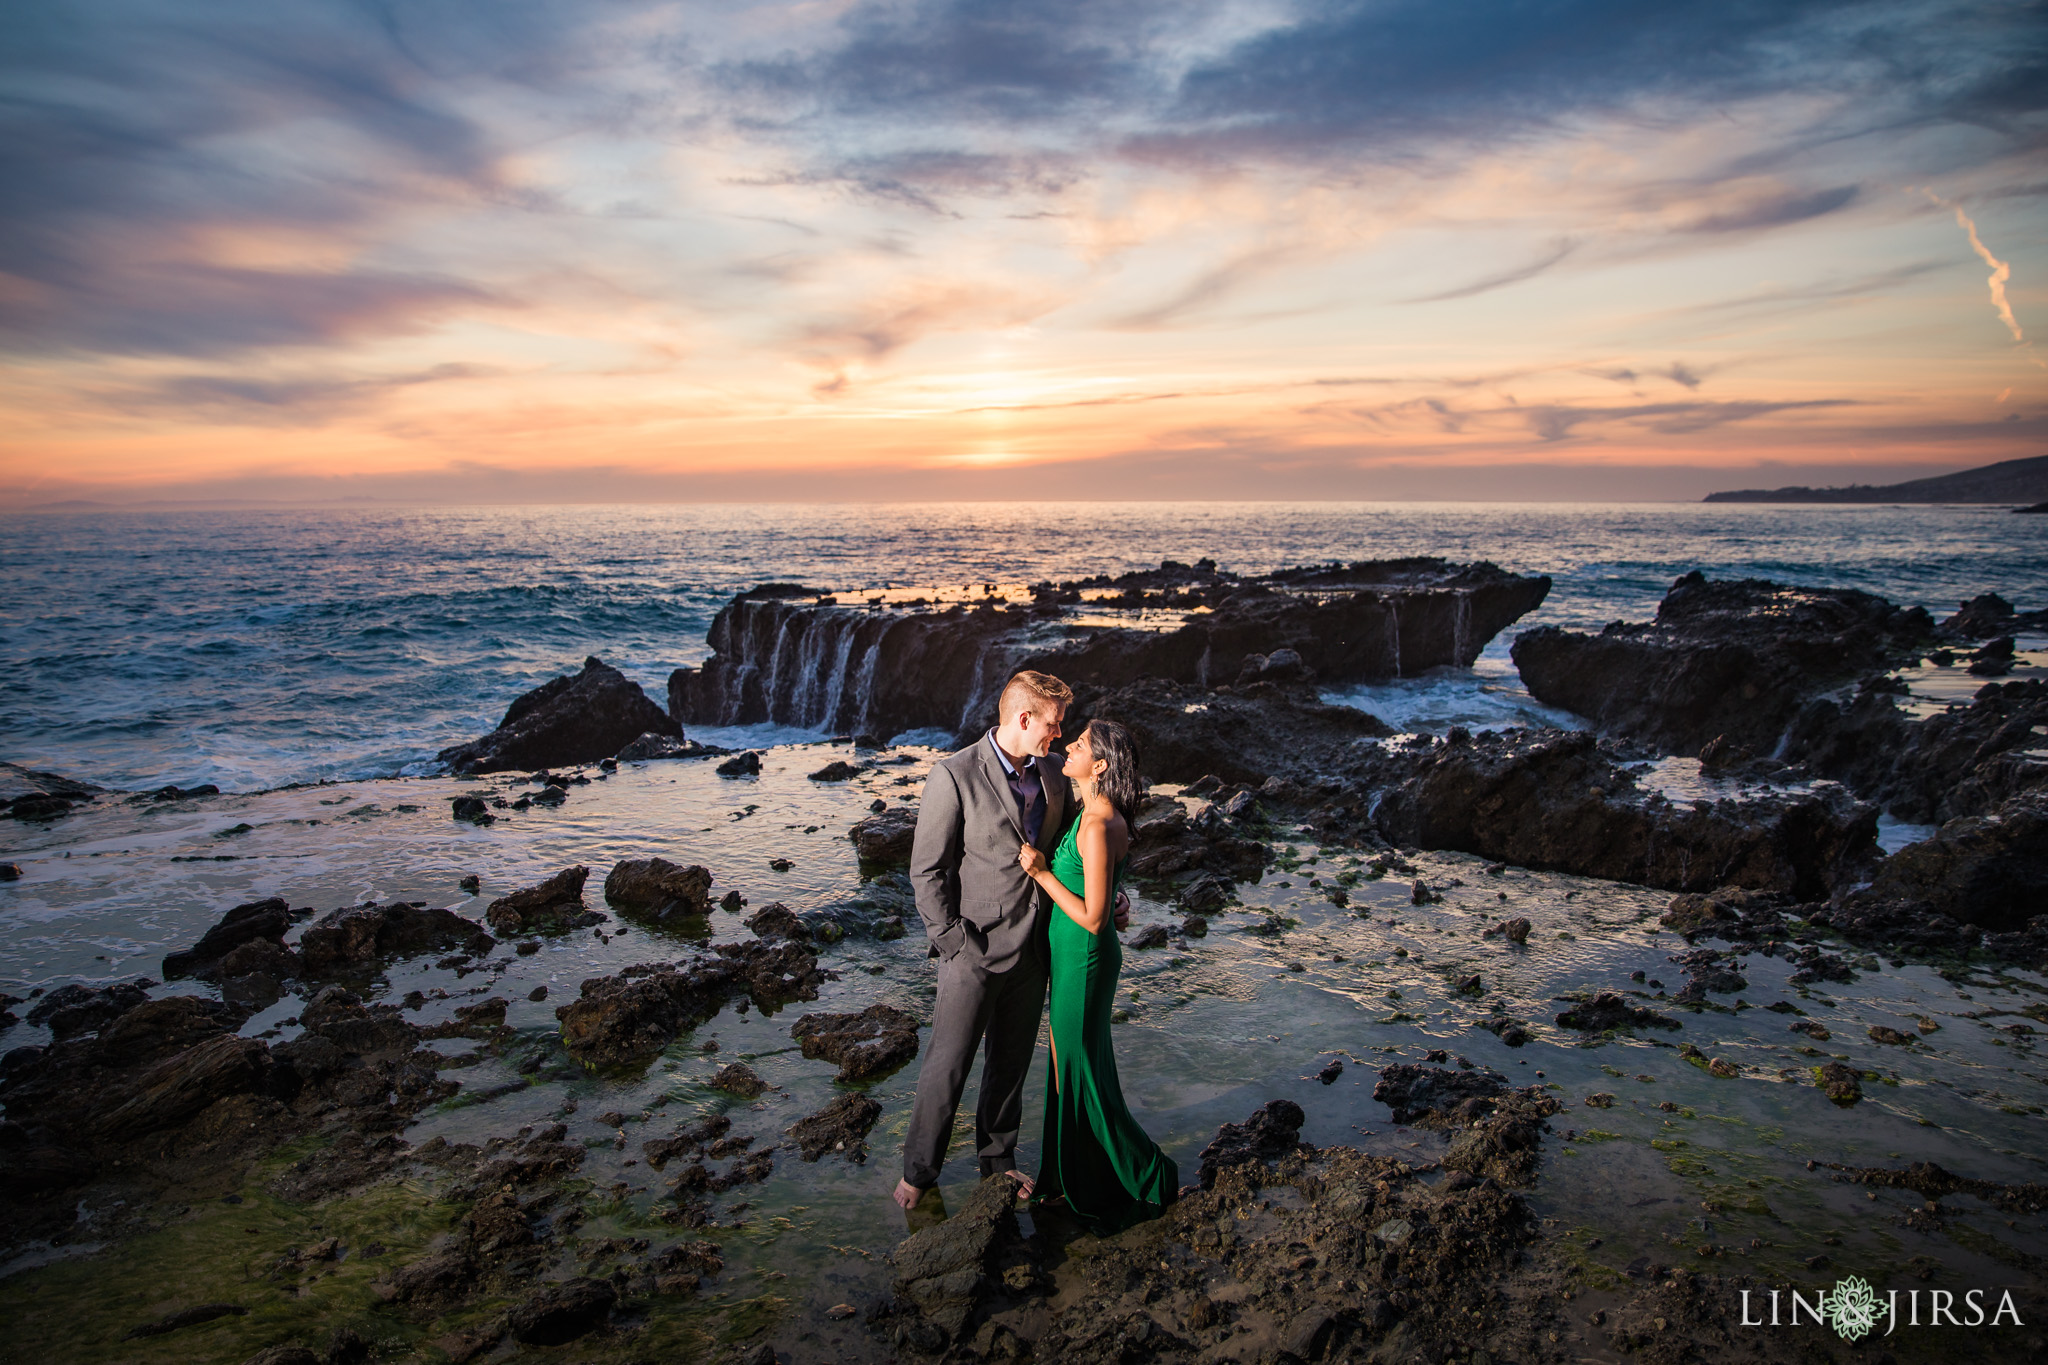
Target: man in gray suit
986	922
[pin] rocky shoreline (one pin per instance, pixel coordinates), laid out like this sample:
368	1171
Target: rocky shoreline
150	1100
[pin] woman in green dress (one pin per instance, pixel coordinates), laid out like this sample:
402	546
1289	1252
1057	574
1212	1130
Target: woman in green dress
1095	1156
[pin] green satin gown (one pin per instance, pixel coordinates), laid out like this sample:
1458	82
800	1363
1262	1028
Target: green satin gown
1094	1153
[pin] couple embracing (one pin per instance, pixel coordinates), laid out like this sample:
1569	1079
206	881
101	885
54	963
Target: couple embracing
1016	863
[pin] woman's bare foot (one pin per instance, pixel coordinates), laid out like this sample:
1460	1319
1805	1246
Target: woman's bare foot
908	1194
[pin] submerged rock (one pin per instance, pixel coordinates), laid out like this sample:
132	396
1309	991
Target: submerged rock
737	1078
629	1017
567	720
1436	1097
553	905
866	1046
841	1126
1606	1010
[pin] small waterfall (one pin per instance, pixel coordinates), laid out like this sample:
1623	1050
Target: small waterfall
1393	605
843	625
733	696
864	688
1461	628
802	708
1202	664
971	711
771	682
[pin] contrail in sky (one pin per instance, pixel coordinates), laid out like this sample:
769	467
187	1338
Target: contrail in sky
2000	270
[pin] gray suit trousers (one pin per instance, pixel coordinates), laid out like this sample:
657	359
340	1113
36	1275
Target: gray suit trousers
975	1007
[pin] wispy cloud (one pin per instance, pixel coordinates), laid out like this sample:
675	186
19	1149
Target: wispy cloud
1558	251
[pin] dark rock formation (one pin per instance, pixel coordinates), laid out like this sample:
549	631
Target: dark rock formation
257	920
655	888
946	1272
737	1078
1723	660
1504	1144
1436	1097
1241	734
1956	763
1206	857
1273	1131
572	719
1606	1010
651	746
560	1313
1316	1256
1985	871
838	770
360	936
1560	801
773	974
629	1017
841	1126
746	764
881	671
26	794
866	1046
883	839
777	921
75	1010
551	906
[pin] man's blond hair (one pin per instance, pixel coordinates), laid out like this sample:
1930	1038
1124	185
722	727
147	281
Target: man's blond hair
1038	693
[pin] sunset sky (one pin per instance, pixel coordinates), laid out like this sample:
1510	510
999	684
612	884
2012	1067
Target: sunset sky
621	249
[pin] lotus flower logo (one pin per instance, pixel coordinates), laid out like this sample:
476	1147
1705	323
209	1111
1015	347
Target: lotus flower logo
1853	1308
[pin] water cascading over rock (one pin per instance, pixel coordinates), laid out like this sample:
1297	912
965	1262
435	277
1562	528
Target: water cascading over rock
794	657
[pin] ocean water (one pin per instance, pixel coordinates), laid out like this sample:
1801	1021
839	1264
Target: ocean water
256	648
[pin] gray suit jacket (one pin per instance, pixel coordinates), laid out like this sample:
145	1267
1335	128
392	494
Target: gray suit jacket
971	894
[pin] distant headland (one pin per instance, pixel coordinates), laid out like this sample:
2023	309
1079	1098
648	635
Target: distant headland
2021	481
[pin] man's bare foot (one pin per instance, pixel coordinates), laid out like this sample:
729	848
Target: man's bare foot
1025	1184
908	1194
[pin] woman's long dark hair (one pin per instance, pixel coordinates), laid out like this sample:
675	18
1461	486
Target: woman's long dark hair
1119	780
